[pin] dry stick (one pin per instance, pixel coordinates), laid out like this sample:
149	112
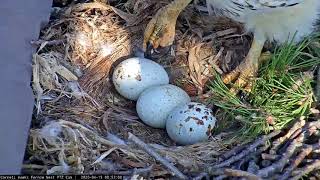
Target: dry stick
96	136
305	152
250	149
142	171
307	161
221	177
306	127
277	143
253	167
214	171
306	170
146	148
311	127
254	154
201	176
134	171
265	163
315	124
278	166
93	5
50	43
271	157
239	173
232	152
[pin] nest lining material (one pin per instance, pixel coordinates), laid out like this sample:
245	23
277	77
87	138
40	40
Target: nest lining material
81	124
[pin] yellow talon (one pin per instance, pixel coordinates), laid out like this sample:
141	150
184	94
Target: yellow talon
247	70
160	31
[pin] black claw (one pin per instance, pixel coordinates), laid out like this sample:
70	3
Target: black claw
149	50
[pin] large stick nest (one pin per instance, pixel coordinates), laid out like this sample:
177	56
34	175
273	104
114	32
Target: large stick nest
81	124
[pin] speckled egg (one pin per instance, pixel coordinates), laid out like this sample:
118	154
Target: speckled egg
190	123
155	104
134	75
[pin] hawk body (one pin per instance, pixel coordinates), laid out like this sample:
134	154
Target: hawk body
274	19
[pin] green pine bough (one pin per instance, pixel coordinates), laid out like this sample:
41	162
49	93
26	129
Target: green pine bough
283	91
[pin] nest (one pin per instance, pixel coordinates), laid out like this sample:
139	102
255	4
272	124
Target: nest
81	125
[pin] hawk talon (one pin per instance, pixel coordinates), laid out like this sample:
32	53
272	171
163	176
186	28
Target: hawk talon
148	51
160	31
243	79
247	70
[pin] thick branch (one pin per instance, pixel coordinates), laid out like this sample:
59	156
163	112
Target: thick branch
239	173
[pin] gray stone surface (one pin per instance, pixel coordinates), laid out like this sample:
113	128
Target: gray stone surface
19	24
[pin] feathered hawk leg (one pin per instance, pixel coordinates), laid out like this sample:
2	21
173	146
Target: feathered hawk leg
160	31
245	73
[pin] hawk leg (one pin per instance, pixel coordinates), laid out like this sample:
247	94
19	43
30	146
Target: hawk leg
246	72
160	31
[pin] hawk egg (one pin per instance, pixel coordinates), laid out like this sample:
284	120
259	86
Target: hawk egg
190	123
134	75
155	104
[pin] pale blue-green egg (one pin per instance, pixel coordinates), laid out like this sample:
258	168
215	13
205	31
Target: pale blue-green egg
134	75
155	104
190	123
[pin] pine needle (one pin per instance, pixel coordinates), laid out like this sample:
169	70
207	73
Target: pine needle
282	93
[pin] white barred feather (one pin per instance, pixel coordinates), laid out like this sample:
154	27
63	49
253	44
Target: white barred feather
274	19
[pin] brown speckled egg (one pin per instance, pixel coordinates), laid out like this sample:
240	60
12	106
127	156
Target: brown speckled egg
132	76
190	123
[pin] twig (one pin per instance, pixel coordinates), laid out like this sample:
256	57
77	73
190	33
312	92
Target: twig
305	152
84	6
221	177
316	151
315	124
306	170
175	171
277	143
253	167
140	171
89	131
310	128
253	155
306	161
214	171
272	157
33	166
201	176
239	173
265	163
232	152
134	171
278	166
50	43
250	148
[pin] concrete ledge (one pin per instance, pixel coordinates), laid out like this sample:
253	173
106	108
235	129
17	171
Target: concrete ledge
19	24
